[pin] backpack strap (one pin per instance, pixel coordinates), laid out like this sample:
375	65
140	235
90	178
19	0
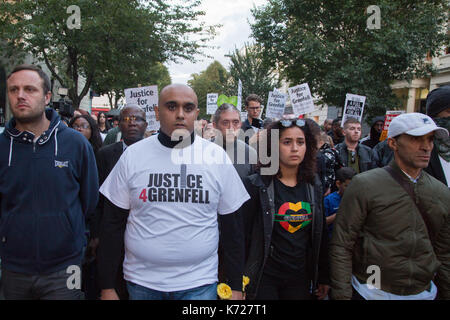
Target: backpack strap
410	190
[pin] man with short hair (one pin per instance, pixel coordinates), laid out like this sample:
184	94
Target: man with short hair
438	108
327	124
176	186
227	120
351	152
132	124
395	221
253	107
48	184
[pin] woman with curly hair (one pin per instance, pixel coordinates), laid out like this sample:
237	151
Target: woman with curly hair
285	229
88	128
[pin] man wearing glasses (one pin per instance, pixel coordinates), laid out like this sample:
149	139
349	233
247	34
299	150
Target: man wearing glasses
352	153
253	107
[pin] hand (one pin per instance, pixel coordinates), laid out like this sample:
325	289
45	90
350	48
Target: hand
236	295
109	294
92	248
322	291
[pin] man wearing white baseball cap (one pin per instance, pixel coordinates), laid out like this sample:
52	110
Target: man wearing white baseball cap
392	232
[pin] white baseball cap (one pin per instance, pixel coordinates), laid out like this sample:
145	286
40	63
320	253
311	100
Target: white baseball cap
415	124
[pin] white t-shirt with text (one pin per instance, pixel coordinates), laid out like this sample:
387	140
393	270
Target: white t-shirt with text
173	195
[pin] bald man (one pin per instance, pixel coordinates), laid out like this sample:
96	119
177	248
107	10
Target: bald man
178	188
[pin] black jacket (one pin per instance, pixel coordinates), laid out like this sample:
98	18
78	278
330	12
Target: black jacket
435	168
258	221
366	160
257	123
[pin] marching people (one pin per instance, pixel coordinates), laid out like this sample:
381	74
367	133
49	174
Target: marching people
395	221
286	240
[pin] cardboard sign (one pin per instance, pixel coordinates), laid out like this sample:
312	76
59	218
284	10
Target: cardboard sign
276	103
211	103
301	99
390	115
354	107
147	99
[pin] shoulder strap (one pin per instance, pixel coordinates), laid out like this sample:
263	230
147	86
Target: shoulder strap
408	188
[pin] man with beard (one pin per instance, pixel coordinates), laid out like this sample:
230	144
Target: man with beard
375	132
48	185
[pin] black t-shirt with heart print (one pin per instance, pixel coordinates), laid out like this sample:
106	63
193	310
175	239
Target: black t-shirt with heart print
291	235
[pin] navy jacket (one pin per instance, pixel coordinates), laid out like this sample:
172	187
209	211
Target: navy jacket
46	189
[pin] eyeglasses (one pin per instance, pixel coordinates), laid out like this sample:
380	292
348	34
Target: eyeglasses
133	118
289	122
253	108
83	126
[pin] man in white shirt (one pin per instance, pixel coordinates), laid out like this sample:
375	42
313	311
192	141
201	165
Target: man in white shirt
178	189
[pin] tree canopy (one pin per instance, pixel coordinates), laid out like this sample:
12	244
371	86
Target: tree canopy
117	39
328	45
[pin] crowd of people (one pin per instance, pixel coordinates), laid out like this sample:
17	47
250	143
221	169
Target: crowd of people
303	211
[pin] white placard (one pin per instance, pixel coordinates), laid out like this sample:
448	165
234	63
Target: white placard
301	99
354	107
276	103
239	96
147	99
211	103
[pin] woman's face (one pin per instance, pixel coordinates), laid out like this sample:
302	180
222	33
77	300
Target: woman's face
292	147
83	126
101	118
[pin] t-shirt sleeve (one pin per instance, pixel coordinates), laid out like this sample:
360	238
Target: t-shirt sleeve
115	187
233	193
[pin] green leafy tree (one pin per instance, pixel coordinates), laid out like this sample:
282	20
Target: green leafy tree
328	45
116	37
212	80
256	74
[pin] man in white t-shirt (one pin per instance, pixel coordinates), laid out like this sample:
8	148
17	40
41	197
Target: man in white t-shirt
178	192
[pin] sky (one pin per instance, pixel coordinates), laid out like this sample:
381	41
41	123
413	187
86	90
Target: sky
233	15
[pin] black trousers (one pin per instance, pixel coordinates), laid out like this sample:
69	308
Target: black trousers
272	288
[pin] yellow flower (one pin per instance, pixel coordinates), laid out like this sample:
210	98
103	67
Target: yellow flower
245	282
224	291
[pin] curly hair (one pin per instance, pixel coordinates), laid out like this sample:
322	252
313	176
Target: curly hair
308	167
96	139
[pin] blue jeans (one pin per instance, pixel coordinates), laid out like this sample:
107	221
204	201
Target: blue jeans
205	292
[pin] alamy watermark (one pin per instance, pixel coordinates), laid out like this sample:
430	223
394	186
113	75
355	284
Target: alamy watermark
74	280
374	20
74	20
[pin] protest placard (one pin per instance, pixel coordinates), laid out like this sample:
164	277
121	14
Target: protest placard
276	103
211	103
147	99
354	107
390	115
301	99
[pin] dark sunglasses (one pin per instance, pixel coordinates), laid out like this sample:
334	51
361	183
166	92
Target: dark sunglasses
289	122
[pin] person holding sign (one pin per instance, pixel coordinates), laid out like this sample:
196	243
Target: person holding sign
175	209
286	237
351	152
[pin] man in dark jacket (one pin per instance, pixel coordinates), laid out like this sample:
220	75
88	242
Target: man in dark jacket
375	132
438	108
253	107
391	239
48	184
351	152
